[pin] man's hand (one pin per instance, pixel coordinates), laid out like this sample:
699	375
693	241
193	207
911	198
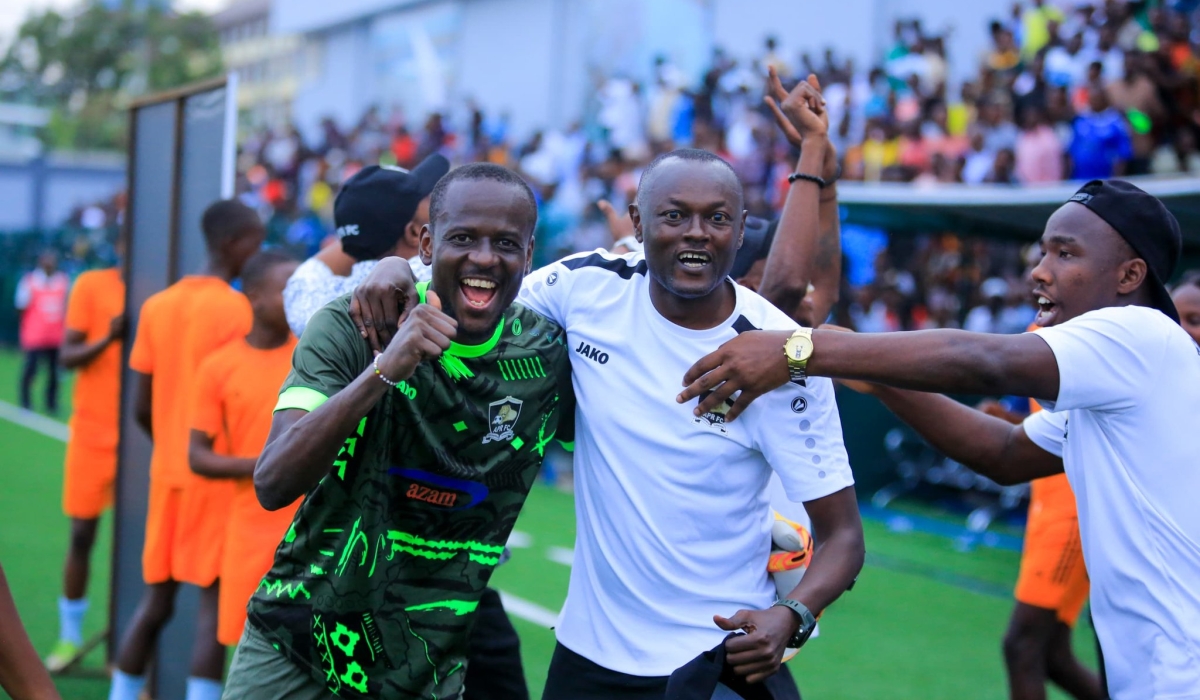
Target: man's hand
752	363
801	113
116	328
758	653
424	334
378	304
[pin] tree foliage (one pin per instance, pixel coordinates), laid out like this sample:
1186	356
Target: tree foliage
85	64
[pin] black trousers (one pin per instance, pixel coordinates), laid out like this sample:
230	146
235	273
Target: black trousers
494	670
49	356
574	677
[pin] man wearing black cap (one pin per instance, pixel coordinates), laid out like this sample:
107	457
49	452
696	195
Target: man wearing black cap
1120	382
379	212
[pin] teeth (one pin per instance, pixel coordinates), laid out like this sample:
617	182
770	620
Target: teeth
1043	301
694	256
482	284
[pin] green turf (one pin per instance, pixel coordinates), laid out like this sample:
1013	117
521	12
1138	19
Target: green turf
912	627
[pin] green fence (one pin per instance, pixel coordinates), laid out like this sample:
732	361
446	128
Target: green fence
78	250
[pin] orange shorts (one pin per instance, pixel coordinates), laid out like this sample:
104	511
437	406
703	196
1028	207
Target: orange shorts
185	531
251	539
1053	575
88	475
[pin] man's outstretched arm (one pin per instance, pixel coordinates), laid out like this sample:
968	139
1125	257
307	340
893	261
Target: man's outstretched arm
942	361
989	445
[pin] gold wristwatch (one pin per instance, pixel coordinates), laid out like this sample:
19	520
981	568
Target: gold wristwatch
798	348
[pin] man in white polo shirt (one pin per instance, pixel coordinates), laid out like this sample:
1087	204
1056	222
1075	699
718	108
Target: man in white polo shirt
1120	382
672	509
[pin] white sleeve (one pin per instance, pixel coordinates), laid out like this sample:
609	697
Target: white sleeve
799	433
1047	430
421	271
23	295
1106	358
309	288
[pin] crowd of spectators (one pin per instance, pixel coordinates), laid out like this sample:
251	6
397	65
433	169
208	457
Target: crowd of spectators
1095	90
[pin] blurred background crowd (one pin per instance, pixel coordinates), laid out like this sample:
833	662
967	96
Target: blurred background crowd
1062	91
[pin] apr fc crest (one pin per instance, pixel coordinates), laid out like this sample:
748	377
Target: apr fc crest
502	415
715	417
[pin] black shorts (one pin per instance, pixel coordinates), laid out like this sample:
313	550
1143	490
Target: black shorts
572	677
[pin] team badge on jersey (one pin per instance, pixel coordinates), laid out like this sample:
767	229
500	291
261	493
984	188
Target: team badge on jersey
502	415
715	417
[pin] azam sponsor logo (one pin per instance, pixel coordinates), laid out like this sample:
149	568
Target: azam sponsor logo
502	416
431	495
440	490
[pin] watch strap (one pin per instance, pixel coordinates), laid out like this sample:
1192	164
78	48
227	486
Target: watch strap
807	621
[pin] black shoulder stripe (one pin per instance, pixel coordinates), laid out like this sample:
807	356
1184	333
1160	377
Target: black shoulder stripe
617	265
742	324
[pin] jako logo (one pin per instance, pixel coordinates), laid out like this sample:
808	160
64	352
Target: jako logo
592	353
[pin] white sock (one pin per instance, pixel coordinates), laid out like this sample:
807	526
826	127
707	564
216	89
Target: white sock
70	619
203	689
125	686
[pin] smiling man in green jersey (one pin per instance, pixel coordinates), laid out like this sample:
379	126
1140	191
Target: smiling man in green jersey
414	464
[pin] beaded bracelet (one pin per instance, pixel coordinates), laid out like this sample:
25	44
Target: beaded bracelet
820	181
379	374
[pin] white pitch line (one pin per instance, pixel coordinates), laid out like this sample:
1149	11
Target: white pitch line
34	421
561	555
519	540
527	610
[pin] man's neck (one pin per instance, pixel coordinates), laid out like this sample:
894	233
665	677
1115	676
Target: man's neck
216	268
694	313
266	337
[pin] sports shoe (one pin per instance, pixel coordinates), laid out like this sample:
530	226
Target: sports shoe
63	654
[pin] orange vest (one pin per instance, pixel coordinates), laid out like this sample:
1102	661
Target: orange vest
42	324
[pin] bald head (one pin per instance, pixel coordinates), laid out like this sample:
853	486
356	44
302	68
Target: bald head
702	163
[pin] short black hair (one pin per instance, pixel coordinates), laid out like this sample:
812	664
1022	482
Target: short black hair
480	171
693	155
256	268
226	219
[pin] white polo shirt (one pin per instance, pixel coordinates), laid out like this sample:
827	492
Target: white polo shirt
1127	423
672	514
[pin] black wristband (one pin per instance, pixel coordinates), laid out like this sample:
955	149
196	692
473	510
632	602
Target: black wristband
811	178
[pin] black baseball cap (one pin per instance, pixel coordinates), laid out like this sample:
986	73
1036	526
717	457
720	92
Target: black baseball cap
375	205
1146	224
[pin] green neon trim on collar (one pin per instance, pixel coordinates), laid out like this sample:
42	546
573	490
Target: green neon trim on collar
469	351
300	397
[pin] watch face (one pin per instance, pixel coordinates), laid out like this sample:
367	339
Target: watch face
799	348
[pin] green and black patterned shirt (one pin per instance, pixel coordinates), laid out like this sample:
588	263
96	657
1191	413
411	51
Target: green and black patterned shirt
373	586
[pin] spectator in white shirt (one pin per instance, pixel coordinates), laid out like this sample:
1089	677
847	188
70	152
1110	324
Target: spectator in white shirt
379	212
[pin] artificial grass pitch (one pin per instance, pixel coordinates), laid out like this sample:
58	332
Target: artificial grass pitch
911	628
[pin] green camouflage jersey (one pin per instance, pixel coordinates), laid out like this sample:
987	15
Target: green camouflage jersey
373	586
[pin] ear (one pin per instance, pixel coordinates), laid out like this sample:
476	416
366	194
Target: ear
636	217
746	213
1130	276
426	245
529	254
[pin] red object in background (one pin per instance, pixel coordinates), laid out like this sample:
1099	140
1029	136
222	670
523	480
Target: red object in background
404	148
43	321
275	192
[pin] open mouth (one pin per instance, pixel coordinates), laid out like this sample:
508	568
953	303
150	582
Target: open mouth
1045	307
478	291
694	259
